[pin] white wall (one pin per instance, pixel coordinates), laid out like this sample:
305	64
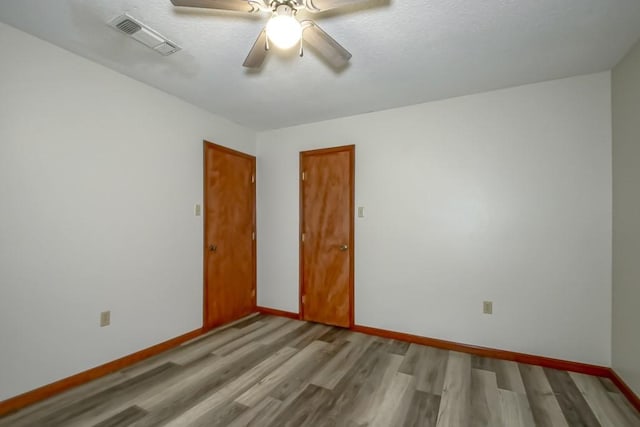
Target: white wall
98	178
626	219
502	196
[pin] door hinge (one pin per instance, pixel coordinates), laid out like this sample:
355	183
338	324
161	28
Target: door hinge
304	299
253	235
253	179
302	237
304	176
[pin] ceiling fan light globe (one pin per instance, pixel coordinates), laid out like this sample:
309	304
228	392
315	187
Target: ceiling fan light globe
284	31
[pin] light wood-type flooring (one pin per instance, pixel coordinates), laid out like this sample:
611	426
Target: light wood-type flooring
271	371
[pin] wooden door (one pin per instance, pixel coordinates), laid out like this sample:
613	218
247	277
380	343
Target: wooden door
326	243
229	235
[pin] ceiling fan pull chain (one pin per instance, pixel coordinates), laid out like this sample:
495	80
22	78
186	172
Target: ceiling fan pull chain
305	24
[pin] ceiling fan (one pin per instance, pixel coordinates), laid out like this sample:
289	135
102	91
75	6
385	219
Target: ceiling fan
283	29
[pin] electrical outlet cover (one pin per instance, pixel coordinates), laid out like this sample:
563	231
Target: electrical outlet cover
105	318
487	307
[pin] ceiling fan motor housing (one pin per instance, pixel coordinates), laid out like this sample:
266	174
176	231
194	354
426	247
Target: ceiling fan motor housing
279	5
285	10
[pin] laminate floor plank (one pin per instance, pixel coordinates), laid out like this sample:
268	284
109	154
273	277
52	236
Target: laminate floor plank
123	418
229	391
393	407
484	363
62	400
219	417
180	400
600	401
246	321
266	371
609	385
508	376
254	375
331	374
260	415
299	378
428	365
236	324
544	405
358	337
484	399
193	415
411	359
307	409
195	348
107	402
431	369
257	334
164	387
193	373
398	347
350	397
258	392
423	410
628	412
216	342
282	332
333	334
455	406
312	334
377	388
573	405
515	410
293	336
181	394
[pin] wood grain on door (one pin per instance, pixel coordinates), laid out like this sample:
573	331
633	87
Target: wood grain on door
326	247
229	237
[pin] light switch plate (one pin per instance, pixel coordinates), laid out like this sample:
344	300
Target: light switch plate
197	210
360	211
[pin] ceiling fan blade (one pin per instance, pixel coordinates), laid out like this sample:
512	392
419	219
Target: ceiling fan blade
258	52
331	50
234	5
321	5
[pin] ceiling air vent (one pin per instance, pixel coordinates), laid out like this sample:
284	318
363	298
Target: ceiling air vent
144	34
127	26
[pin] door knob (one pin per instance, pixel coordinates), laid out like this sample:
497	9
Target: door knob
344	248
213	248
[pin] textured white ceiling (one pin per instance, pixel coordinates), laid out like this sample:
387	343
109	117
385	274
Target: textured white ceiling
404	51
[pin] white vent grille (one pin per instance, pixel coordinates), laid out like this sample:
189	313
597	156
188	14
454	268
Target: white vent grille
127	26
144	34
